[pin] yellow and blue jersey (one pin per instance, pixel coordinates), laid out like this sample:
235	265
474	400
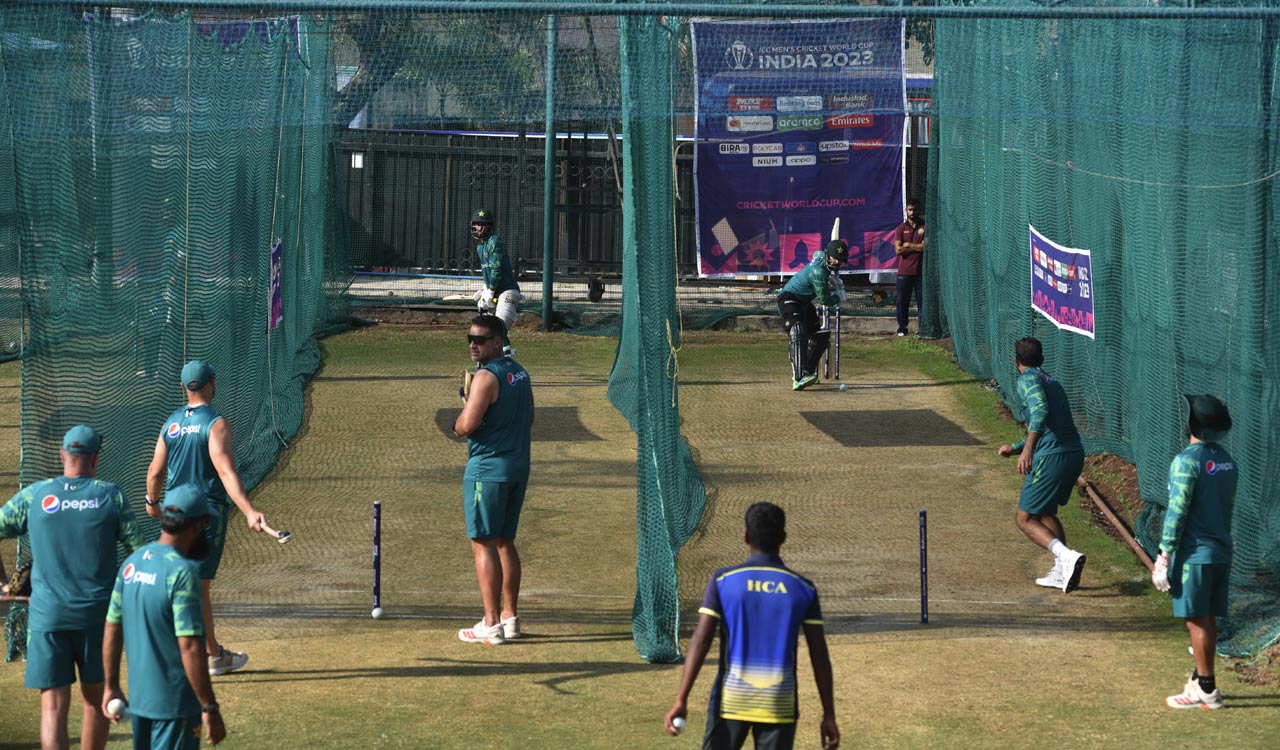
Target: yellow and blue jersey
186	437
1048	413
762	606
157	599
1202	493
73	525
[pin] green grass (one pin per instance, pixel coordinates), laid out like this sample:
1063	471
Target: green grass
1002	664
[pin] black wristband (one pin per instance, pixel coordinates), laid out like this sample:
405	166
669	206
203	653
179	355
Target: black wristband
149	501
210	709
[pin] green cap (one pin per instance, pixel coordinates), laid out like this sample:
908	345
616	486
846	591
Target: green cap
196	374
82	439
482	216
185	501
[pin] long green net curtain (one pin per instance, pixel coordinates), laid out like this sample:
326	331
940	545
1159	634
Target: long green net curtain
153	157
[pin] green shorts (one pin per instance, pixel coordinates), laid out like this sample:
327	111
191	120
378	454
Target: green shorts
167	734
730	734
1049	483
53	657
216	533
492	508
1199	590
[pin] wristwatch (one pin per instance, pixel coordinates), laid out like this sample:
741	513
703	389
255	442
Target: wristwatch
212	708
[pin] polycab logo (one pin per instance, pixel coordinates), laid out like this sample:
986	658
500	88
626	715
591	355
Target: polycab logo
127	573
766	148
173	430
851	121
750	103
50	503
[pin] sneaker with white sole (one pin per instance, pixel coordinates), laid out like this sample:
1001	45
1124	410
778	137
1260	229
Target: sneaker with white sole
511	627
1192	696
490	635
227	661
1052	579
1072	563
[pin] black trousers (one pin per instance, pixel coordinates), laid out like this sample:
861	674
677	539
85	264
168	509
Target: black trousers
906	286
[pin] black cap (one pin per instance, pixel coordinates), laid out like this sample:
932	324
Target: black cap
1209	419
482	216
837	249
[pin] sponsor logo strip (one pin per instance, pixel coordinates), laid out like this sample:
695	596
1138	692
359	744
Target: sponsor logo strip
799	103
750	103
801	161
766	161
749	123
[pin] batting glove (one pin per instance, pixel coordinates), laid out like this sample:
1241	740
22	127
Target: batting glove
1160	574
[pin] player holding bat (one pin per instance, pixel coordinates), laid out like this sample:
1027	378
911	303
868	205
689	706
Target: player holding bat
501	294
194	447
811	285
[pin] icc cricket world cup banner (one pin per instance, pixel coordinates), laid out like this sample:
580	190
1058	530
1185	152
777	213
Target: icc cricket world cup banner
1062	284
798	123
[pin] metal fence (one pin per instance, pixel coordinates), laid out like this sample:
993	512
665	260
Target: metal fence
410	196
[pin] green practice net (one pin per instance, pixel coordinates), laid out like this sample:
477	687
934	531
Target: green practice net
172	201
152	158
1152	143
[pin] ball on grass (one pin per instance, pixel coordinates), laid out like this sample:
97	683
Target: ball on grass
844	386
377	613
117	707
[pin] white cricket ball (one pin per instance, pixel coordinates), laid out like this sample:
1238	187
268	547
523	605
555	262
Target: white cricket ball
844	386
377	613
678	723
117	707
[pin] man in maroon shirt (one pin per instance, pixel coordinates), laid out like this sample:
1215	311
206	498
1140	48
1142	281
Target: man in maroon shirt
909	244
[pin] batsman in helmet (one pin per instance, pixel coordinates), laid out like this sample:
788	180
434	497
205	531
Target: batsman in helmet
818	283
500	295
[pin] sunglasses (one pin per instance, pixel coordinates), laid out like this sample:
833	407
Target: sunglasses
478	340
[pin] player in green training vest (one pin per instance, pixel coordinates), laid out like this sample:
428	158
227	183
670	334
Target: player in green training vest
194	447
1051	457
156	617
817	283
496	420
74	522
501	294
1194	563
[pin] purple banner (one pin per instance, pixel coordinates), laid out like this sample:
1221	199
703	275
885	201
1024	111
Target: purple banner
799	123
276	313
1062	284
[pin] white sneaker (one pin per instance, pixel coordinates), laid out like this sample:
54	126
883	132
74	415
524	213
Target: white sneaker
511	627
227	661
1192	696
1052	579
1072	563
490	635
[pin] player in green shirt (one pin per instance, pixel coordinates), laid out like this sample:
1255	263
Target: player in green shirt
496	419
817	283
74	522
156	618
501	294
1194	563
1051	457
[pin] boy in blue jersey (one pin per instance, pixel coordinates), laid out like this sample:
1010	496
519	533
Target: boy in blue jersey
74	522
496	419
501	295
759	608
818	282
194	447
1194	563
1051	457
155	617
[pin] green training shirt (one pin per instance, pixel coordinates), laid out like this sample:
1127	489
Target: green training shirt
499	450
813	282
156	599
74	524
1048	413
496	265
1202	493
186	437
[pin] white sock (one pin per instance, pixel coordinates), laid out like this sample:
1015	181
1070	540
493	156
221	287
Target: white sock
1058	549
